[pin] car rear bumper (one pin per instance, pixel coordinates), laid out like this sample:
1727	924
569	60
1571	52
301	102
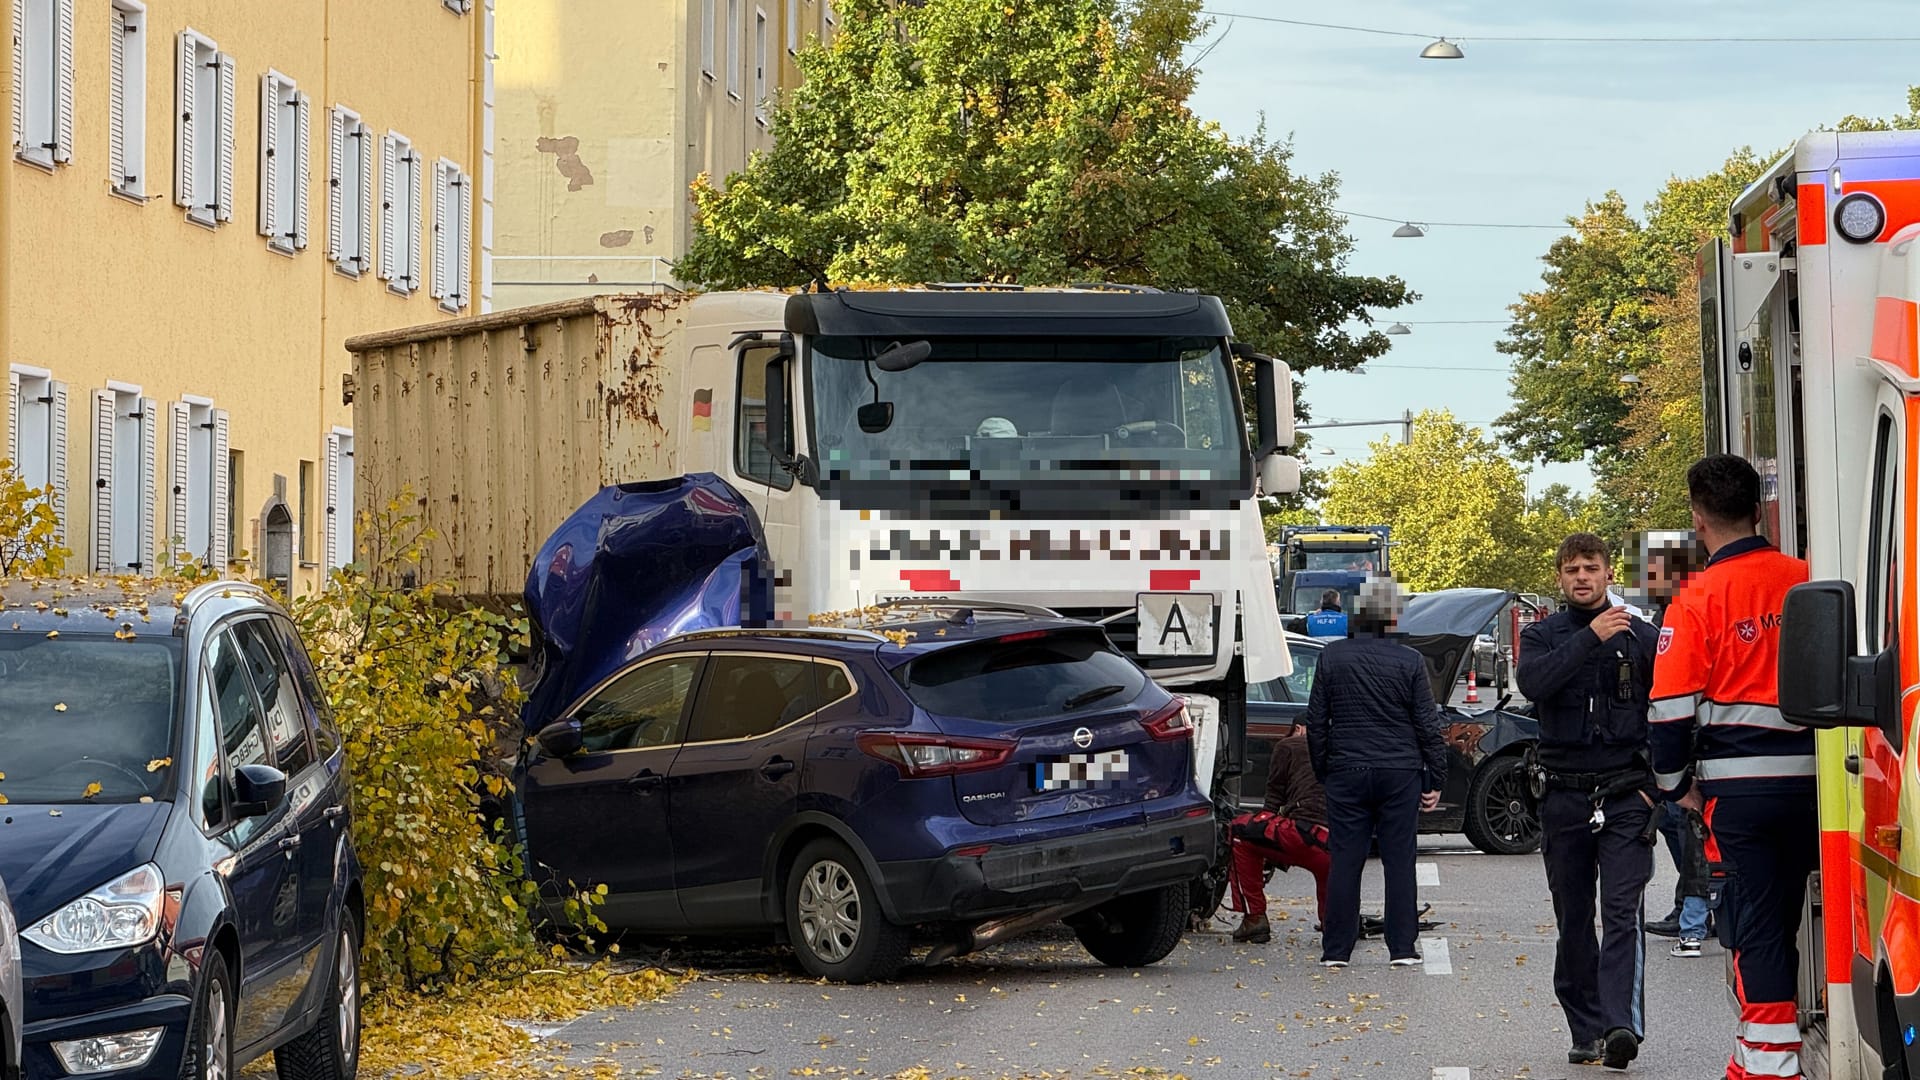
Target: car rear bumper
1085	868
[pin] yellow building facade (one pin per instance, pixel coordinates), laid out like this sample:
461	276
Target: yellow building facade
204	199
607	111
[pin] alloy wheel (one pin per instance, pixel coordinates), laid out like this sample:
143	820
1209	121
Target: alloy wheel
829	905
214	1053
1507	811
349	1020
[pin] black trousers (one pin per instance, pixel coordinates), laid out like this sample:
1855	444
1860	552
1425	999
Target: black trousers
1364	805
1772	843
1601	983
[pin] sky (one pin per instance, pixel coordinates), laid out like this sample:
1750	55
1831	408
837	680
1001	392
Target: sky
1519	132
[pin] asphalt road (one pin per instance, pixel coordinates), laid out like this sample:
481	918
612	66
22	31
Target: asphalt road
1482	1007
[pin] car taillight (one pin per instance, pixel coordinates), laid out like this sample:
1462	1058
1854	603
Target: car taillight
1170	723
919	756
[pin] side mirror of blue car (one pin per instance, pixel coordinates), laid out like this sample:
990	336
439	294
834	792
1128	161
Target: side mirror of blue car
257	790
562	738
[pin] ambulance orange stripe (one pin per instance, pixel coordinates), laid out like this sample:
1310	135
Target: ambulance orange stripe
1836	850
1896	334
1812	215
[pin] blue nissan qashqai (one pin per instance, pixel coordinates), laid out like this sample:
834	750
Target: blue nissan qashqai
987	773
175	836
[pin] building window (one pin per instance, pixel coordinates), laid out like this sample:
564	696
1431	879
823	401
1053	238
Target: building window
203	159
760	67
707	31
201	499
127	124
286	162
235	497
400	215
37	437
124	488
338	518
452	235
306	513
733	49
793	27
349	192
43	81
826	11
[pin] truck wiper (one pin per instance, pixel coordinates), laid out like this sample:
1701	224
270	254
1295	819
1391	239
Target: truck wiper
1086	697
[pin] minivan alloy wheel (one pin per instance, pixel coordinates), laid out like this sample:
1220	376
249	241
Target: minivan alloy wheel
829	911
214	1053
349	1012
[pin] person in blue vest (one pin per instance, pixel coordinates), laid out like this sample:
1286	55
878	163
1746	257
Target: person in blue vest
1328	620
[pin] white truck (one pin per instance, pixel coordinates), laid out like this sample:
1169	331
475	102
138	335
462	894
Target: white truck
1084	449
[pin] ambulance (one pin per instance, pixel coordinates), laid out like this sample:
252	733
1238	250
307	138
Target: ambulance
1811	371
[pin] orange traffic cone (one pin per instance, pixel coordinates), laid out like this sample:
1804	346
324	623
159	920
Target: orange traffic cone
1473	688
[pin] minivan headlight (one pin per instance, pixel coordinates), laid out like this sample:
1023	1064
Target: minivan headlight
118	915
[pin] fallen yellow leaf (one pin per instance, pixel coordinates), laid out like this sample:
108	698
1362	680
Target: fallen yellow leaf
159	763
92	790
53	633
59	706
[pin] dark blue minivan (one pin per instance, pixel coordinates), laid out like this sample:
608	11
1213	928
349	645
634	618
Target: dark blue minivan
175	836
971	774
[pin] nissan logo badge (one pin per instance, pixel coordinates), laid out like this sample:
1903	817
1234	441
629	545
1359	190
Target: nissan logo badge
1082	737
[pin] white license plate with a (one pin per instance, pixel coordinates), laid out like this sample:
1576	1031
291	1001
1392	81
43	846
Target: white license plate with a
1175	624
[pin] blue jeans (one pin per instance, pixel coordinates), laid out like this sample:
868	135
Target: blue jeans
1689	911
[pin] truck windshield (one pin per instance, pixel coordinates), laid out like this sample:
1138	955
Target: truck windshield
1322	559
1063	422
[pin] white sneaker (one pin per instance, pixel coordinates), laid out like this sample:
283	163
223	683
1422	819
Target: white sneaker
1333	963
1406	961
1687	948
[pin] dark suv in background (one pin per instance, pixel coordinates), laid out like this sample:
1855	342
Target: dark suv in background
175	836
973	775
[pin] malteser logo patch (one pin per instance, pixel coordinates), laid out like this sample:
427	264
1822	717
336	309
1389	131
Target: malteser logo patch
1666	639
1749	632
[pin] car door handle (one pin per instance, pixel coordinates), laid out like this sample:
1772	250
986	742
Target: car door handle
288	843
334	813
646	781
777	768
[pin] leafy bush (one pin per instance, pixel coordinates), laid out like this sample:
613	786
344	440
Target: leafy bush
416	683
29	531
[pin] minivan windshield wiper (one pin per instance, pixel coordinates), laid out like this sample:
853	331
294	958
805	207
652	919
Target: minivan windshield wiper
1087	697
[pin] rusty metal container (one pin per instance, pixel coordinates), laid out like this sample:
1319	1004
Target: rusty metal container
501	425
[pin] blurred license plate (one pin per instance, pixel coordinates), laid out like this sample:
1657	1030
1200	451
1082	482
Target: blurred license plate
1175	624
1079	771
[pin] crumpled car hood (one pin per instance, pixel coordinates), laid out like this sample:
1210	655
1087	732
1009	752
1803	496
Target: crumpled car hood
637	564
1441	626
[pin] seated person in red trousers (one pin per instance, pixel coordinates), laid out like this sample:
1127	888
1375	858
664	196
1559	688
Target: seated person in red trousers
1289	830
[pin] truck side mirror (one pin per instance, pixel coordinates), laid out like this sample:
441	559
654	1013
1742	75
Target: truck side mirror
1279	474
1822	683
1273	385
779	437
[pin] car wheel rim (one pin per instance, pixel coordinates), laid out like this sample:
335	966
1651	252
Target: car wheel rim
829	911
1507	808
349	1023
214	1054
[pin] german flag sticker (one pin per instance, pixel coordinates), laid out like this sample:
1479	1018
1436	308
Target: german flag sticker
703	410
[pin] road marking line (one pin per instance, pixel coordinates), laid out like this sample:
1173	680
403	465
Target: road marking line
1453	1072
1436	959
1426	874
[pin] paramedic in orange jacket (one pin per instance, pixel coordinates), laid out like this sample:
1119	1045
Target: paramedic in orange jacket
1720	745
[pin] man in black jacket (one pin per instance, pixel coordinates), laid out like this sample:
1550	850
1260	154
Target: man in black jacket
1373	733
1589	672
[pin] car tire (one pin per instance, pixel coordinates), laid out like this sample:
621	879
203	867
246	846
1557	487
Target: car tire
330	1050
1135	930
834	920
209	1050
1500	818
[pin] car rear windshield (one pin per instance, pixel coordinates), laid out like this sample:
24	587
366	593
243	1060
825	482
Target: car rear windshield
81	710
1016	680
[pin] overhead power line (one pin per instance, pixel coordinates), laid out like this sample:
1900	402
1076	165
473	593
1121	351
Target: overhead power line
1454	224
1582	40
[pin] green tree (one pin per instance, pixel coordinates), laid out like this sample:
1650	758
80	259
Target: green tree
1037	142
1455	502
29	529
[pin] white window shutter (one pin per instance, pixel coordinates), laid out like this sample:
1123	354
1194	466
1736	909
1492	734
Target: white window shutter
330	516
186	123
13	419
223	147
179	426
117	99
57	460
63	81
148	552
19	68
463	251
414	177
437	284
336	175
389	209
103	409
364	219
270	164
302	169
222	516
